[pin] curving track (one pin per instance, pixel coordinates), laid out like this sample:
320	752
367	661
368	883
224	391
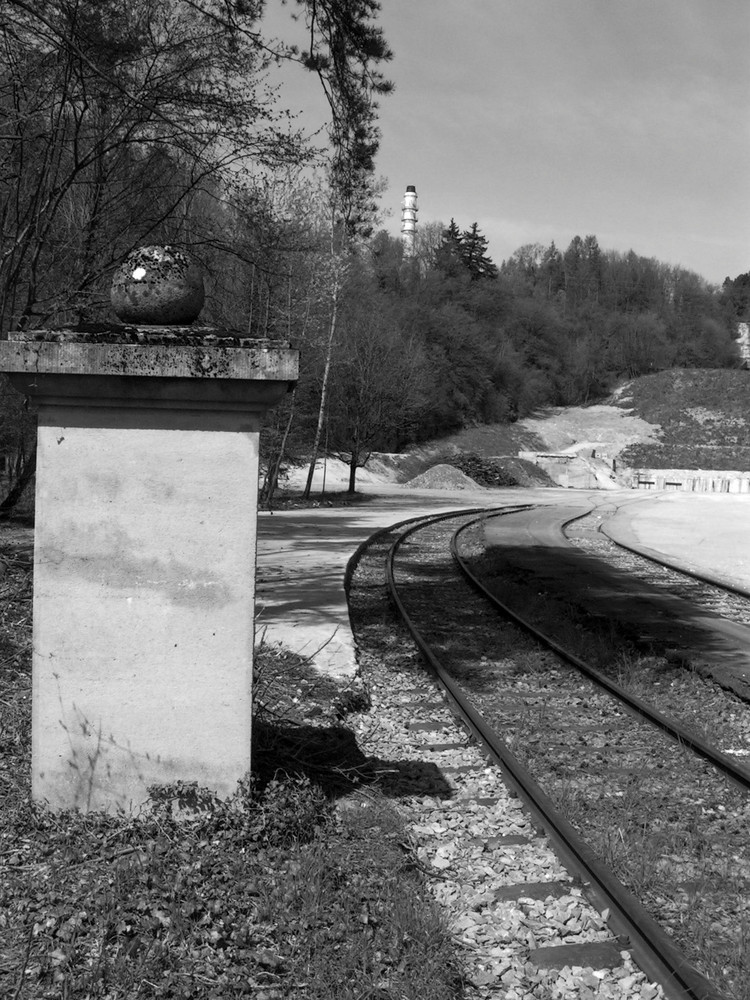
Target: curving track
531	549
536	545
600	534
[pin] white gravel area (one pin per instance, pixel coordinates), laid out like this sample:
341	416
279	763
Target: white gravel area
475	842
443	477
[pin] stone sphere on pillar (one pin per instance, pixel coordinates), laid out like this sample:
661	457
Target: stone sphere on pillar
157	286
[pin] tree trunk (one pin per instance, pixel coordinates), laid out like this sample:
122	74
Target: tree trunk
274	476
352	473
323	392
9	503
353	459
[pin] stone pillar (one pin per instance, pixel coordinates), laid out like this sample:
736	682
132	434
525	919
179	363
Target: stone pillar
144	566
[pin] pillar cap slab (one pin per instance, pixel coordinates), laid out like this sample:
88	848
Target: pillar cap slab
111	365
152	352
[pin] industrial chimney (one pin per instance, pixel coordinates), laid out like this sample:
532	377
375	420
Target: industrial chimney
409	220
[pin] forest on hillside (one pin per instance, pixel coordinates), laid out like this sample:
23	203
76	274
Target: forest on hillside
445	338
153	124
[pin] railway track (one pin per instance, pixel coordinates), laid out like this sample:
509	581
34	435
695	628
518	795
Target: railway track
594	772
590	533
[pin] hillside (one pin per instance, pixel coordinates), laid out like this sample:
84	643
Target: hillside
681	418
704	416
678	419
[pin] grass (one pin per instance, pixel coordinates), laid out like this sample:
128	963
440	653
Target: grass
593	638
302	885
670	861
702	415
288	499
270	895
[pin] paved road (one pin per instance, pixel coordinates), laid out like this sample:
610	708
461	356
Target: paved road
707	534
531	545
302	554
302	557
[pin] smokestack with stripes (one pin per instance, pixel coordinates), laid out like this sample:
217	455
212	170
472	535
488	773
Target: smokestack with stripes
409	220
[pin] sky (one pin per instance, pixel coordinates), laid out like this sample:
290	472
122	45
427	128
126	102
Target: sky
545	119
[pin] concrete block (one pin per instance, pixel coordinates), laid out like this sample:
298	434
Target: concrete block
144	565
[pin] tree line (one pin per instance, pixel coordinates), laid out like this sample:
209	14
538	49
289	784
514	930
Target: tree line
149	121
443	338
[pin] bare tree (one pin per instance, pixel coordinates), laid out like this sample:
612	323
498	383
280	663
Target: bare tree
381	386
116	115
134	121
337	266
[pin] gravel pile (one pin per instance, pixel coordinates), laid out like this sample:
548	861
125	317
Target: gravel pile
443	477
489	472
485	862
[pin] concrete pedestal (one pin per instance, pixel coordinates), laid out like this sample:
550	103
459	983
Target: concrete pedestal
147	472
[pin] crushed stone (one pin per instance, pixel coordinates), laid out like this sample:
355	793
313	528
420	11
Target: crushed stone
443	477
458	839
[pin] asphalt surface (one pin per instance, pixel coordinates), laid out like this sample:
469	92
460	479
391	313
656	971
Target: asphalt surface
303	553
707	534
531	546
302	557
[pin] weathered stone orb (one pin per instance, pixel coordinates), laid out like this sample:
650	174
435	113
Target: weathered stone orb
157	286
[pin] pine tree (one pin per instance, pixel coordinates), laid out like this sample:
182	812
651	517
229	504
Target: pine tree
552	271
592	269
474	254
453	239
572	267
449	255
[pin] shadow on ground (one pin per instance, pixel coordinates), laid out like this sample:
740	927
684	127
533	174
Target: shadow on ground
331	758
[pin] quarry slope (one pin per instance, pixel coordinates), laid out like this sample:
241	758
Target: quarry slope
677	419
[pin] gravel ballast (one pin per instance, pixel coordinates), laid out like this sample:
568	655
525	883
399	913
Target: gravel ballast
485	862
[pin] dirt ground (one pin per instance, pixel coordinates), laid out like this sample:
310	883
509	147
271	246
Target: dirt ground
608	429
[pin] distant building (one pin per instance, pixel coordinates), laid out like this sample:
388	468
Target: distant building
409	220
